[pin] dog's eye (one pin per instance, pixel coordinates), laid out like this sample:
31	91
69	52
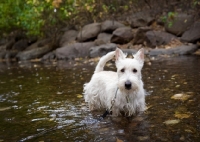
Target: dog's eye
134	70
122	70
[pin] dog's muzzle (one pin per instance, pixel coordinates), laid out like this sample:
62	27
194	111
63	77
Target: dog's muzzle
128	85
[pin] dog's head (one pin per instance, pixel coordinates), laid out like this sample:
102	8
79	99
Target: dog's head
129	70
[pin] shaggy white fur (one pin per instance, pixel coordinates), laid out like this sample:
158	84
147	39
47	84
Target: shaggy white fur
125	86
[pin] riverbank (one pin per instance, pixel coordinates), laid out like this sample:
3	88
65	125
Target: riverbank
135	31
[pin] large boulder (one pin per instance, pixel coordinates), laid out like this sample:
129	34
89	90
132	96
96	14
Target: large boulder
180	24
104	37
101	50
49	56
140	36
74	50
33	53
10	43
156	38
110	26
193	34
10	54
68	37
20	45
140	19
122	35
179	50
2	48
89	32
39	43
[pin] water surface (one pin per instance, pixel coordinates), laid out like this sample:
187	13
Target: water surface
44	102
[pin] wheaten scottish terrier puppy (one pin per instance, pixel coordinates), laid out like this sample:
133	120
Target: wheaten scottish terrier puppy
120	91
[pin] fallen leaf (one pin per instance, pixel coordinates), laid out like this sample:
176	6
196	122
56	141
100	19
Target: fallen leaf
118	140
188	130
5	108
59	93
182	97
79	96
182	115
143	138
171	122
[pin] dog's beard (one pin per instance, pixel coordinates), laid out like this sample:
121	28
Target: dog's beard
122	88
135	83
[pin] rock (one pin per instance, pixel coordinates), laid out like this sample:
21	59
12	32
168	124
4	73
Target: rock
3	54
3	41
122	35
10	54
44	42
180	24
140	36
74	50
110	26
193	34
156	38
185	49
105	37
89	32
101	50
129	51
10	43
2	48
156	52
33	53
133	51
20	45
49	56
68	37
140	19
39	43
180	50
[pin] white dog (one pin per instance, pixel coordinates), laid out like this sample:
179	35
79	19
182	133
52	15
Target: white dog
120	91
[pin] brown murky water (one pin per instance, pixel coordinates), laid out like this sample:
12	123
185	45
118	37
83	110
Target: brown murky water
44	102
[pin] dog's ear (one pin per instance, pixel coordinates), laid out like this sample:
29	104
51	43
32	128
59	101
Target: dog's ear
119	54
140	56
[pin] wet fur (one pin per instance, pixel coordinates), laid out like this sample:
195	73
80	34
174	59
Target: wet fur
101	89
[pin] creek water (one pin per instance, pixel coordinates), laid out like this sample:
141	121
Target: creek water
44	102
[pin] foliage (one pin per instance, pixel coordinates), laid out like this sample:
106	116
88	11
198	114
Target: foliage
34	17
169	18
47	17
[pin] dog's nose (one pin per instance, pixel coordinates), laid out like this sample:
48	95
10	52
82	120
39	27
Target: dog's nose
128	85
